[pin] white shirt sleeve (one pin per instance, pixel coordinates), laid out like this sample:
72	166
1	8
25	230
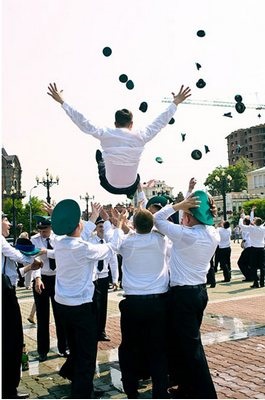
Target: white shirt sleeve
82	122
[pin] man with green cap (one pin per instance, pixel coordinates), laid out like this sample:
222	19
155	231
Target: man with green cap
74	290
193	244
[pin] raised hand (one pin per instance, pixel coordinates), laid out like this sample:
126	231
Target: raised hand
55	93
182	95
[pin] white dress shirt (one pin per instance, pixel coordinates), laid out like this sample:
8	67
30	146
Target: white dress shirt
121	146
256	234
75	259
225	237
13	256
144	267
41	242
192	248
111	261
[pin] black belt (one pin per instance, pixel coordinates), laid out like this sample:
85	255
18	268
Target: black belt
145	296
177	287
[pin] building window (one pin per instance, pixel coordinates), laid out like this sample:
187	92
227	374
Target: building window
250	139
251	155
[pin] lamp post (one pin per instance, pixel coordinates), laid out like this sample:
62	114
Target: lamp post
48	182
86	198
14	194
30	211
224	180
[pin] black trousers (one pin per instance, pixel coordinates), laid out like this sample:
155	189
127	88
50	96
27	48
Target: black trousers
12	343
81	325
188	365
42	302
143	329
257	263
244	264
225	262
101	301
129	191
211	273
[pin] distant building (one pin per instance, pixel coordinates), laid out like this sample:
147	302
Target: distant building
157	187
11	174
256	183
249	143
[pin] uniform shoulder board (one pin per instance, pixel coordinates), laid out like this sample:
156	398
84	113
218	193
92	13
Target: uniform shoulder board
156	231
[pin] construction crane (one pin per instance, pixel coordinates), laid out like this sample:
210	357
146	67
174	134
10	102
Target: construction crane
215	103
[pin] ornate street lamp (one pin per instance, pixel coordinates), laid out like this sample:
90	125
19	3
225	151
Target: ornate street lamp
48	182
225	180
14	195
86	198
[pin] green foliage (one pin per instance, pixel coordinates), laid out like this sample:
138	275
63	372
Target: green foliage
238	173
22	212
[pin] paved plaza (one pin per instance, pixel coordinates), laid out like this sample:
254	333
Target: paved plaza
233	332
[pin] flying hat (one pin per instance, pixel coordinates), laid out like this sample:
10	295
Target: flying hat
25	246
203	212
123	78
160	201
198	66
143	106
129	84
229	115
65	217
171	122
196	154
240	107
206	148
201	33
183	136
42	221
159	160
200	84
107	51
238	98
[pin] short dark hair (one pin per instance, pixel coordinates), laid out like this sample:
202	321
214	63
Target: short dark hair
226	224
123	117
143	221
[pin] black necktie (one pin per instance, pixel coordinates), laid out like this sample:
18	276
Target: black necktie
101	262
51	260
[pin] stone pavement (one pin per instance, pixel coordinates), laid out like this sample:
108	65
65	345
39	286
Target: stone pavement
233	332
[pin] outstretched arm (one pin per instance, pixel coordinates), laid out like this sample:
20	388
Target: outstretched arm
160	122
55	93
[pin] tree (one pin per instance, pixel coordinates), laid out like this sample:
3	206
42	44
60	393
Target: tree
237	172
22	212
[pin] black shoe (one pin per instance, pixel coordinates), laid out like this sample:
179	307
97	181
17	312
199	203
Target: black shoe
21	396
103	338
99	156
98	393
42	357
255	286
226	280
213	285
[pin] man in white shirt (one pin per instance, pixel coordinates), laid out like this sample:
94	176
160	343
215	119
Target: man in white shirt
143	311
257	239
224	251
44	291
74	290
122	146
193	244
12	330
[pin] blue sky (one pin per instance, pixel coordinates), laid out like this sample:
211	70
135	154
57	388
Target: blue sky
154	42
